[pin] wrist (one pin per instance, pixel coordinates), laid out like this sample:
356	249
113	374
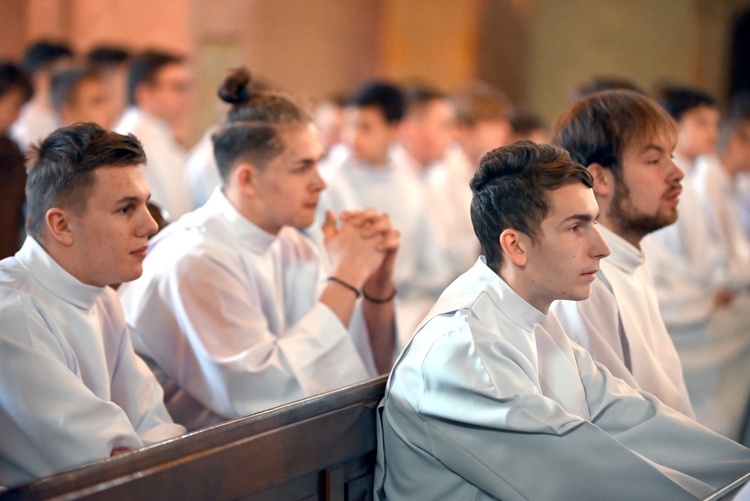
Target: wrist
379	294
346	285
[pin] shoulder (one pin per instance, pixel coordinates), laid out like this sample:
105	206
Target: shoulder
25	320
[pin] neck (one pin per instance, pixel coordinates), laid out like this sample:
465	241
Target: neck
248	210
631	236
728	164
515	278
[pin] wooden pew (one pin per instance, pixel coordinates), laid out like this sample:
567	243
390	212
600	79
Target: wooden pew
322	447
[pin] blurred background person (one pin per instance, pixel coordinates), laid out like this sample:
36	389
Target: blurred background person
112	63
15	91
530	126
158	97
82	95
37	120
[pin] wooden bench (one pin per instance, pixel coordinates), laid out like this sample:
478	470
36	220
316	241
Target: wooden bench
322	447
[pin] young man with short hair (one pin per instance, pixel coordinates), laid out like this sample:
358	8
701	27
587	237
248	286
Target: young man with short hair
158	96
40	61
723	383
483	116
81	95
626	141
73	390
688	268
491	400
370	178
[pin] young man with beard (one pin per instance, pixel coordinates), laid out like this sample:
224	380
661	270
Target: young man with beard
491	400
626	141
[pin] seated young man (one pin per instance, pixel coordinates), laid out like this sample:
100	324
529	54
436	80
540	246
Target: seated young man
82	95
626	140
492	400
237	307
72	389
370	178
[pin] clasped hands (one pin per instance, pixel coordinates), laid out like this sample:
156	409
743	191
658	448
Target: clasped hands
362	247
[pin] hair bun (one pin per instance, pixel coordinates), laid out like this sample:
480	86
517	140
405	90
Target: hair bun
234	89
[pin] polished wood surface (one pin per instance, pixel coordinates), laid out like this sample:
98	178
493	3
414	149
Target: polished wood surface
322	447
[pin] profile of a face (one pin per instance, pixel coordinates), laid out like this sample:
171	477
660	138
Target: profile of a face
562	260
287	190
646	197
110	236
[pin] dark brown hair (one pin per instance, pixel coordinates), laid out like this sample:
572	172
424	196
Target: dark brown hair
255	124
510	191
599	127
61	173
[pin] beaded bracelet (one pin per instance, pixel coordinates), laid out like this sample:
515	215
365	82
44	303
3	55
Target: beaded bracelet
379	301
356	291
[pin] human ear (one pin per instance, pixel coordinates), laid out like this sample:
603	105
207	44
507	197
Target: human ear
245	178
58	225
513	246
603	179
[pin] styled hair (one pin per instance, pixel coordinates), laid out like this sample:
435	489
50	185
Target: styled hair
480	102
679	100
12	78
145	67
43	55
527	121
384	96
61	173
599	127
65	85
510	191
105	57
601	83
418	96
254	126
736	120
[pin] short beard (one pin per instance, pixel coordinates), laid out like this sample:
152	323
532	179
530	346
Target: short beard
639	225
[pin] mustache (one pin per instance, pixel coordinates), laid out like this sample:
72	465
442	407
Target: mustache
673	190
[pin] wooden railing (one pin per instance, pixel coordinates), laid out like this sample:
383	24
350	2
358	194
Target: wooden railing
322	447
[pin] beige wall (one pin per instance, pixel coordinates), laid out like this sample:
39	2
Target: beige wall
650	42
536	50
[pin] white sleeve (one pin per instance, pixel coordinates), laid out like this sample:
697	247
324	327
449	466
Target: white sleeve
50	420
202	322
136	390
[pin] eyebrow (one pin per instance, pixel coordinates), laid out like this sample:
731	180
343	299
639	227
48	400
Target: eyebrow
584	218
653	147
131	199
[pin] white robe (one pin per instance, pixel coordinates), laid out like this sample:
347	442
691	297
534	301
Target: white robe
420	272
231	315
721	379
719	197
71	387
165	162
621	327
449	201
201	172
491	400
33	125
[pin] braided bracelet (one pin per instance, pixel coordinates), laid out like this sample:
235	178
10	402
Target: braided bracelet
356	291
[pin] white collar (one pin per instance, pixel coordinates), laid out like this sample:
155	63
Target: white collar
55	278
625	255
